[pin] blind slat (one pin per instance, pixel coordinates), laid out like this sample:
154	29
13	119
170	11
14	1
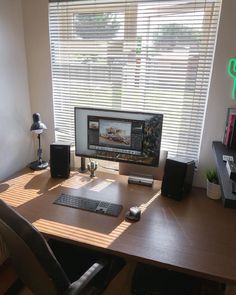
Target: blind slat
147	55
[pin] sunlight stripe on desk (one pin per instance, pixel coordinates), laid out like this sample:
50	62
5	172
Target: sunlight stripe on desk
144	206
72	233
16	197
102	185
77	181
24	188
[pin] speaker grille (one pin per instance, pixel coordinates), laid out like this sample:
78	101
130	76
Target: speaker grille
60	160
178	177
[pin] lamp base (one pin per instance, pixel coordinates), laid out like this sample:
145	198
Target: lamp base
36	165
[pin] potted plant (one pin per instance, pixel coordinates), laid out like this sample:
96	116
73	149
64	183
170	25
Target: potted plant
213	187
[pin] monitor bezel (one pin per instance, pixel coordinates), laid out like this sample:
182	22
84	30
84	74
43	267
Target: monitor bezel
115	111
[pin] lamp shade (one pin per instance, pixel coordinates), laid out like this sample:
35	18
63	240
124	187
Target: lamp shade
37	125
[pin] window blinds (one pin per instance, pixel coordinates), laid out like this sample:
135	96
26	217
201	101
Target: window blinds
151	56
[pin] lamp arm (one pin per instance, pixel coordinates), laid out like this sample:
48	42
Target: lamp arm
39	150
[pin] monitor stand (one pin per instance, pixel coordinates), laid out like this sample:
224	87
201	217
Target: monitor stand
83	168
135	169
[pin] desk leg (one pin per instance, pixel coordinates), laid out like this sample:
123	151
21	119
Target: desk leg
121	284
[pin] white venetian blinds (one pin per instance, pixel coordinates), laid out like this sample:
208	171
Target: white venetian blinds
152	56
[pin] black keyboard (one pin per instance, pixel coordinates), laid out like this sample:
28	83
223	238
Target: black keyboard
89	205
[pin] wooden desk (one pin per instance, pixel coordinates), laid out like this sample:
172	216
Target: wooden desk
196	235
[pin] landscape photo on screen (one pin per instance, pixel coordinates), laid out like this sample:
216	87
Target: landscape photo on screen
115	133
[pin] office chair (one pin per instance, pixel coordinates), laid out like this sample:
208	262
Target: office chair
36	264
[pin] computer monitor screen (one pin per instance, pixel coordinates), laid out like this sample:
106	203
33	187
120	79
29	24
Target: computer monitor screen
118	135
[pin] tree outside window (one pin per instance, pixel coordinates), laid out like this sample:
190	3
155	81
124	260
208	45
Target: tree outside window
175	36
96	25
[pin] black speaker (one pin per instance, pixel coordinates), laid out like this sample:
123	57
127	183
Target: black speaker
60	160
178	177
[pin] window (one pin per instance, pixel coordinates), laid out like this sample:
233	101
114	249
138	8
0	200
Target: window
152	56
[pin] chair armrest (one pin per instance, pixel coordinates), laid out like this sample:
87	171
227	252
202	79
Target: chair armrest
76	287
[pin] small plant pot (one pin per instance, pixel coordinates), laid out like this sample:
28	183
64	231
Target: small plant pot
213	190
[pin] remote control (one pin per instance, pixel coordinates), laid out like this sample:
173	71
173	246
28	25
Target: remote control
228	158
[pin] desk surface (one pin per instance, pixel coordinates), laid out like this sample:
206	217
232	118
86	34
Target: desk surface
196	235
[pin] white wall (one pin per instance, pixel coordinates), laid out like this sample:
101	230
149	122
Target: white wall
35	19
37	45
15	115
220	89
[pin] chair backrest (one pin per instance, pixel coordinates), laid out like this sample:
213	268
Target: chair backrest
30	254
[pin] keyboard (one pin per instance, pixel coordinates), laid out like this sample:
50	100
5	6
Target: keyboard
91	205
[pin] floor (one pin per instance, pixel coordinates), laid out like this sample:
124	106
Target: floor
7	277
119	286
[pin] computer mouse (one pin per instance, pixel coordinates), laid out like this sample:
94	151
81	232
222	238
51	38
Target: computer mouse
133	214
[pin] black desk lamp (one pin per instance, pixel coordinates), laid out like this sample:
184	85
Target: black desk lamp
38	127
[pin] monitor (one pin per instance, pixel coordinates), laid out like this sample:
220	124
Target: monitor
123	136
